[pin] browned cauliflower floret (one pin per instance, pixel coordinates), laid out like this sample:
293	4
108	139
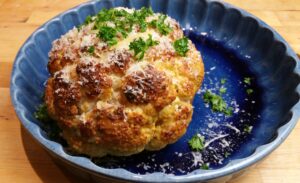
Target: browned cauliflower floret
110	96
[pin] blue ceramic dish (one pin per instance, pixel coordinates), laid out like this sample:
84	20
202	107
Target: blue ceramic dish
234	45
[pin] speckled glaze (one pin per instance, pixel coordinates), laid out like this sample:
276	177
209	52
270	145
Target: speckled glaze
265	53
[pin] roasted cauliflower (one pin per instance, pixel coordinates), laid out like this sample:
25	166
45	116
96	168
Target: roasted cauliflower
123	82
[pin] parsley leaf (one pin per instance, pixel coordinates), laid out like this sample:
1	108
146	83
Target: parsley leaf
143	13
108	34
248	129
217	103
140	17
91	49
160	25
139	46
143	26
222	90
181	46
104	15
88	20
249	91
223	81
228	111
247	80
205	166
197	142
227	154
50	126
41	113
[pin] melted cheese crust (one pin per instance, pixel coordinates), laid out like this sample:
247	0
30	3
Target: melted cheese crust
110	103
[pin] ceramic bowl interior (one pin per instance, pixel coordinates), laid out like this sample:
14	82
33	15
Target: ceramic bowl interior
234	45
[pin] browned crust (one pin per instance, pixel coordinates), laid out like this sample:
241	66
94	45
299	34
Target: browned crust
92	78
65	96
120	61
146	86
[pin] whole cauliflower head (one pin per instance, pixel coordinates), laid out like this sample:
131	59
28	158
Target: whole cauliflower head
123	82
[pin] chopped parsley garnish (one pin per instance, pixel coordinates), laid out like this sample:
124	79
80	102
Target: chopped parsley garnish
222	90
160	25
217	103
91	49
197	143
88	20
249	91
248	128
223	81
108	34
181	46
140	17
247	80
227	154
116	23
41	113
50	126
228	111
142	14
139	46
205	166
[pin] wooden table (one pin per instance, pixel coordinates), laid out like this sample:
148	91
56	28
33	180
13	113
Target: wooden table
23	160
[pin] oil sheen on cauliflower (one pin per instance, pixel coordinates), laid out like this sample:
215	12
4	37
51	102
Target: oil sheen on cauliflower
123	82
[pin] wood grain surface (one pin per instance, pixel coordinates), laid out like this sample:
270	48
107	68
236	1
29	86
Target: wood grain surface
23	160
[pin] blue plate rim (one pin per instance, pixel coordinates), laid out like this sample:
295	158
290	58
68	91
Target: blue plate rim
122	174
